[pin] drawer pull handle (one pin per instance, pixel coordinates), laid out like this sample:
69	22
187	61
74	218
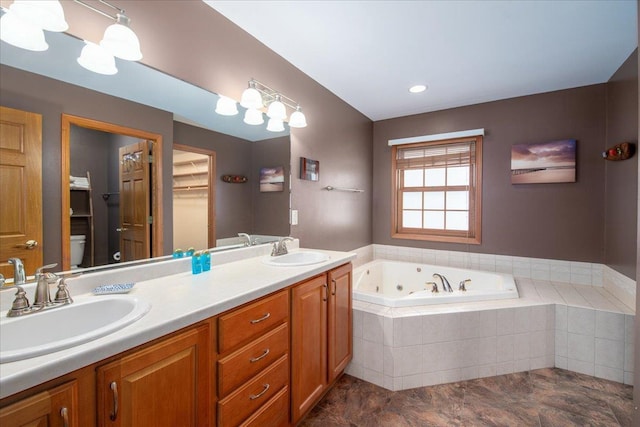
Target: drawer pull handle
262	356
335	286
64	413
265	317
114	388
255	396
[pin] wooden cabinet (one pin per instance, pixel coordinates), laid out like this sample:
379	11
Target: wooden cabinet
253	365
321	341
166	384
57	407
276	357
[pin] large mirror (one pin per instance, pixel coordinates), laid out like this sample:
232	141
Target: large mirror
150	105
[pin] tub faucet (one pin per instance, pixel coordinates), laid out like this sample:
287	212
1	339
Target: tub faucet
434	287
280	247
245	236
445	283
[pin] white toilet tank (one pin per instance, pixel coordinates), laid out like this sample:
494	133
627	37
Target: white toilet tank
77	250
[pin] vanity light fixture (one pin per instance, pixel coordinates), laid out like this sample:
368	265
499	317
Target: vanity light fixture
275	125
23	23
258	95
97	59
226	106
253	117
118	38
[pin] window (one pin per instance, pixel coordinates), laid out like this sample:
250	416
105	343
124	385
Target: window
437	190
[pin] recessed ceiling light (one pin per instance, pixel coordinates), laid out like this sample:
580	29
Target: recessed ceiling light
417	88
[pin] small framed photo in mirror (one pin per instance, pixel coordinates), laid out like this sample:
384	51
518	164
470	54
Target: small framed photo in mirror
272	179
309	169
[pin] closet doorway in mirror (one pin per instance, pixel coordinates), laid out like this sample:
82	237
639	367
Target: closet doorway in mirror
194	194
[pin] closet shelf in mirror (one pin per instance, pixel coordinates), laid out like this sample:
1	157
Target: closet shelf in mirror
190	187
190	174
191	162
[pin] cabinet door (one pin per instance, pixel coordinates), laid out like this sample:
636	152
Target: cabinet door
340	320
57	407
308	344
167	384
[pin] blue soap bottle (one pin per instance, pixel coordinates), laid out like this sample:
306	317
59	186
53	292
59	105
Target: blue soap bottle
205	260
196	266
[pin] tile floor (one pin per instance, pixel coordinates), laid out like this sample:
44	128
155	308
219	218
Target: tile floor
544	397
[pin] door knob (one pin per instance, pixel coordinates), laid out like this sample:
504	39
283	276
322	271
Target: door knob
29	244
120	230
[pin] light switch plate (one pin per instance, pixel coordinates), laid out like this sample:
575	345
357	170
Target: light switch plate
294	217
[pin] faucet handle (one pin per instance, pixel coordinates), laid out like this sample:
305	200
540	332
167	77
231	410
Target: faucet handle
20	304
62	295
39	270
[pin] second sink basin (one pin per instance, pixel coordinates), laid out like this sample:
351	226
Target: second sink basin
63	327
295	259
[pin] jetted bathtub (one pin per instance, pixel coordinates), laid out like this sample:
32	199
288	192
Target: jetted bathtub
403	284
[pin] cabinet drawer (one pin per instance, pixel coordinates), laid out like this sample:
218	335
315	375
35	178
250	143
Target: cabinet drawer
245	363
249	398
274	413
251	321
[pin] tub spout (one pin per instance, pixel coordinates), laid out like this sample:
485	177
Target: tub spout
445	283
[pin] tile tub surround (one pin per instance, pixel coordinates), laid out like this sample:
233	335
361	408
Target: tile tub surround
575	273
545	397
402	348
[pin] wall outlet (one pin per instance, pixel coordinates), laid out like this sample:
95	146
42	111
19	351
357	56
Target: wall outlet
294	217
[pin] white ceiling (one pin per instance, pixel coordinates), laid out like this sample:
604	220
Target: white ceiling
368	53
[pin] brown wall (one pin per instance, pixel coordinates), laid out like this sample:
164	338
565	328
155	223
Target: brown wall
192	41
52	98
556	221
621	178
270	211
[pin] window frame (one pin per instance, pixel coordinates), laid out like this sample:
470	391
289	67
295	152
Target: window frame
474	234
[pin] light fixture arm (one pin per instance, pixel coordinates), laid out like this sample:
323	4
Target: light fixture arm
120	17
269	94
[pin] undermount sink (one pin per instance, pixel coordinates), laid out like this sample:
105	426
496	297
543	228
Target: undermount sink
295	259
67	326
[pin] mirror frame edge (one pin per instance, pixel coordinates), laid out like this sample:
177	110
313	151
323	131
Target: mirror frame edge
65	168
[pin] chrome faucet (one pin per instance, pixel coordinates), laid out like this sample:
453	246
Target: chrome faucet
445	283
434	287
280	247
462	287
245	236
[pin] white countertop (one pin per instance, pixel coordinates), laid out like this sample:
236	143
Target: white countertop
177	301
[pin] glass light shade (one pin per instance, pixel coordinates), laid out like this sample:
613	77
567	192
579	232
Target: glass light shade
122	42
45	14
253	117
275	125
226	106
22	34
297	119
251	99
277	110
95	58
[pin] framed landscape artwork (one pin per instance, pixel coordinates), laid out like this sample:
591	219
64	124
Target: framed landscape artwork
272	179
546	162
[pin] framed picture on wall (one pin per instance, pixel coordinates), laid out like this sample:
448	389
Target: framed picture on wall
542	163
272	179
309	169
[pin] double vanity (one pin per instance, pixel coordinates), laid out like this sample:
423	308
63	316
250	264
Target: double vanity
255	341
